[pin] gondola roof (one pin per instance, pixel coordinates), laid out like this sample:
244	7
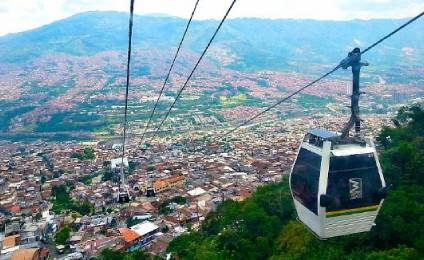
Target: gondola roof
322	133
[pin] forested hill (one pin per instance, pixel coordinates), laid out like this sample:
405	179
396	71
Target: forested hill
245	43
264	226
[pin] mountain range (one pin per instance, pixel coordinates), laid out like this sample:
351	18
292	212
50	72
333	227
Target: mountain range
242	44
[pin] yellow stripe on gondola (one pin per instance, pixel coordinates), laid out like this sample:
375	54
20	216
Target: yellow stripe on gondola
351	211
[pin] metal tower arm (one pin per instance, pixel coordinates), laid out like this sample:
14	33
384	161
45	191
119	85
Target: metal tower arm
353	60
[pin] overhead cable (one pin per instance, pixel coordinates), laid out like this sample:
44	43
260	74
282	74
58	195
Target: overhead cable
194	69
130	30
169	71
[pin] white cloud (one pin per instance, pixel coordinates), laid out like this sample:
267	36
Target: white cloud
19	15
357	42
408	51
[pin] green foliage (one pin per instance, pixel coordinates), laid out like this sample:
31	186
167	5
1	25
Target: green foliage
62	202
38	216
8	115
240	230
86	154
58	173
131	221
238	100
400	252
165	229
43	179
294	240
132	166
72	121
403	158
164	206
186	245
263	226
107	176
310	101
62	236
61	199
84	208
87	179
108	254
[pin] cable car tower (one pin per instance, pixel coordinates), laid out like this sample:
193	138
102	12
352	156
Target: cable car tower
123	195
123	188
336	181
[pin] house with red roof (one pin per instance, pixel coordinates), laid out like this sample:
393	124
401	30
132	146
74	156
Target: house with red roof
130	238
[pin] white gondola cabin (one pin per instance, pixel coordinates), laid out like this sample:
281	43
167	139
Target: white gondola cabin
337	187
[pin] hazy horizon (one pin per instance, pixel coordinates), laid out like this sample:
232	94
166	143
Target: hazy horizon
22	15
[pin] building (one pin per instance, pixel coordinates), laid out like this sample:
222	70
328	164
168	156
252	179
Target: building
131	239
10	243
146	230
168	183
137	236
95	247
30	254
196	192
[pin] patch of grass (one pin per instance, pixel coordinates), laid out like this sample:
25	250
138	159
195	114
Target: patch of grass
237	100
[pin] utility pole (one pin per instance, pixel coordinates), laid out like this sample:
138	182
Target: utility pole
197	211
179	219
353	60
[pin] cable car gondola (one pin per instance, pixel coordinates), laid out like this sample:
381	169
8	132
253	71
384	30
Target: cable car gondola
119	167
338	188
336	181
123	195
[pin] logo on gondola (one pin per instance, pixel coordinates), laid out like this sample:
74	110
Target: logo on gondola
355	188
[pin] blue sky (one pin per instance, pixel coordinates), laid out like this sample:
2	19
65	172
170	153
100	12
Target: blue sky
21	15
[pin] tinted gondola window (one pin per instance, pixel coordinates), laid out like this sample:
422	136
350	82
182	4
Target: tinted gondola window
353	182
305	179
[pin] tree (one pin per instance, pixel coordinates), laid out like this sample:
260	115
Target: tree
185	245
108	254
84	208
165	229
62	202
294	240
38	216
58	173
131	221
164	206
86	154
62	236
43	178
400	252
107	176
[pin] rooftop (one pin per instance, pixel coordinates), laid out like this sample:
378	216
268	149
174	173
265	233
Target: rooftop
144	228
128	235
197	191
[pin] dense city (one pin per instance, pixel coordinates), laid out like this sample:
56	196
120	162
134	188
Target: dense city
68	189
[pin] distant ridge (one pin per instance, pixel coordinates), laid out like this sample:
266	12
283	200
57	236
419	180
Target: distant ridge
246	43
159	15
